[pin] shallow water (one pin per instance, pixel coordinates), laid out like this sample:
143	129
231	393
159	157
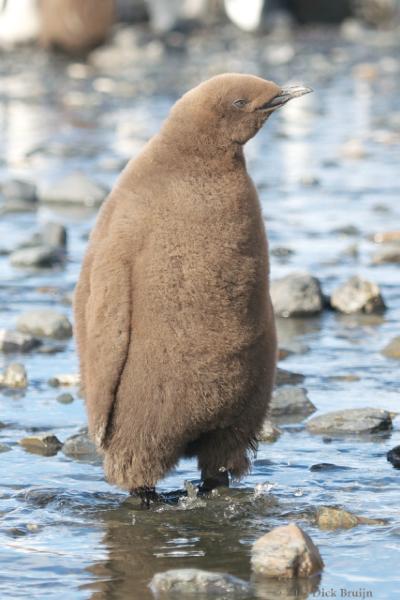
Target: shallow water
64	531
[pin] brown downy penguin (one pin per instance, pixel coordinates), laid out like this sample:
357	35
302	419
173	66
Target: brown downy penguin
75	25
174	323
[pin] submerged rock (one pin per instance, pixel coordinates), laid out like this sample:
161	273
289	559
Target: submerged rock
181	582
393	457
37	257
44	444
14	376
297	295
336	518
392	350
45	323
75	188
358	295
15	341
286	552
269	432
351	421
290	400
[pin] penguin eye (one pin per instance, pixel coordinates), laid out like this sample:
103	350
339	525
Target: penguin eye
240	103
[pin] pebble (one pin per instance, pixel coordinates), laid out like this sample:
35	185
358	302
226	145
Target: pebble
45	323
286	552
179	583
75	188
45	444
387	255
65	398
14	376
38	257
393	456
15	341
392	350
297	295
290	400
284	377
357	295
19	190
335	518
81	447
269	433
351	421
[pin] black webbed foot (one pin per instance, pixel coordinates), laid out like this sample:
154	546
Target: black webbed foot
146	495
210	482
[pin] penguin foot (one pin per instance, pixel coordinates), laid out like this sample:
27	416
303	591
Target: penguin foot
146	495
210	482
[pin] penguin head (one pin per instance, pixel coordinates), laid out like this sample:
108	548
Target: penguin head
232	106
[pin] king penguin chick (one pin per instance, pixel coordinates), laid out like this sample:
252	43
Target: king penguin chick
174	323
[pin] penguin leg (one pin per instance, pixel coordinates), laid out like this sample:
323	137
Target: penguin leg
146	495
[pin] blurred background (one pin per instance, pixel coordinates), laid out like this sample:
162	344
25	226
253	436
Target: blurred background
83	85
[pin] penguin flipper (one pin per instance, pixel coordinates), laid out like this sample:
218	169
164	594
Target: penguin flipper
107	331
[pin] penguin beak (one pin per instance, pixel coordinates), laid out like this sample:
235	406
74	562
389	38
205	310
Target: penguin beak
286	94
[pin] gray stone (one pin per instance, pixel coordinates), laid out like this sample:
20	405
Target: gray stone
290	400
17	189
297	295
284	377
45	444
14	376
286	552
356	421
75	188
392	350
65	398
192	582
45	323
54	235
15	341
269	432
358	295
36	257
387	255
81	447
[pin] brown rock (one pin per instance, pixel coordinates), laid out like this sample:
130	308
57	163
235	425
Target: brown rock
336	518
392	350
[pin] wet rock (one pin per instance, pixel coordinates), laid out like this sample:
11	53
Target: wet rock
65	398
297	295
19	190
15	341
335	518
284	377
37	257
393	456
54	235
286	552
392	350
388	255
192	582
65	379
44	444
356	421
75	188
327	467
80	447
269	432
357	295
14	376
353	150
45	323
290	400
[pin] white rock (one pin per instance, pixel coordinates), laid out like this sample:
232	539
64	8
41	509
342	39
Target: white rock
75	188
14	376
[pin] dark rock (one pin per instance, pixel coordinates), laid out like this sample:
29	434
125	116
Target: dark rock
284	377
327	467
358	295
297	295
44	444
355	421
393	456
290	400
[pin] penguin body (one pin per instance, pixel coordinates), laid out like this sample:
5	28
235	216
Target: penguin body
174	323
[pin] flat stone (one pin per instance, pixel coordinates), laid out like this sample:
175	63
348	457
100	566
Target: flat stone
358	295
14	376
192	582
392	350
284	377
20	190
290	400
269	433
297	295
75	188
45	323
386	256
44	444
286	552
15	341
336	518
356	421
37	257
